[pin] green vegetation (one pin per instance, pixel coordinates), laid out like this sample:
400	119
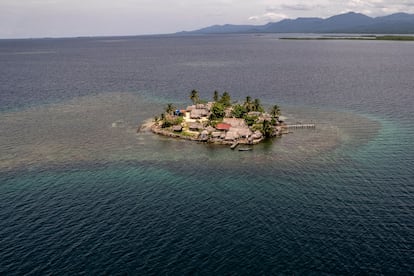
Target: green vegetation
275	111
248	104
169	109
218	111
171	121
225	99
187	134
257	106
251	111
238	111
194	96
168	118
215	96
267	129
250	120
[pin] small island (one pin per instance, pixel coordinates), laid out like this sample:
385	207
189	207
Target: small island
220	121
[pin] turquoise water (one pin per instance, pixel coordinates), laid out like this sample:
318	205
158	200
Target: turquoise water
78	196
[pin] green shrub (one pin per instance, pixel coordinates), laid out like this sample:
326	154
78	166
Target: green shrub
217	111
239	111
171	121
250	120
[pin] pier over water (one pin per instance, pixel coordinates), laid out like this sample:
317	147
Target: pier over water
301	126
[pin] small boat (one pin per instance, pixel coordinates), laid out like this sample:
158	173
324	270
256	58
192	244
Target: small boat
233	146
245	149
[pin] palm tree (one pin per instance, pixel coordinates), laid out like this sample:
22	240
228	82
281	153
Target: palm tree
225	99
267	129
248	100
169	108
216	96
275	111
194	96
248	104
256	105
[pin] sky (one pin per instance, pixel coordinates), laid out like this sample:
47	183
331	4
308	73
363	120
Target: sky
69	18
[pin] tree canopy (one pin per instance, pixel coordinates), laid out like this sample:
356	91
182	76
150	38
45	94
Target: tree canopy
216	96
257	106
225	99
217	111
238	111
275	111
194	96
248	104
169	108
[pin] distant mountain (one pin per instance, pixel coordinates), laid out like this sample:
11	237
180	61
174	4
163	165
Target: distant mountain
401	23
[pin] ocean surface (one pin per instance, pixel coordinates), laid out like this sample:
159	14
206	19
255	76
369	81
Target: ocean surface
79	196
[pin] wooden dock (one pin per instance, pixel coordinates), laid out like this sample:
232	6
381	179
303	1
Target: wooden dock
301	126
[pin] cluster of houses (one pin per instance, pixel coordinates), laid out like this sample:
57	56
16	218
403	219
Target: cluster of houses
196	125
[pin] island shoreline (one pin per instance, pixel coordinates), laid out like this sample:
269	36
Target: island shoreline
219	122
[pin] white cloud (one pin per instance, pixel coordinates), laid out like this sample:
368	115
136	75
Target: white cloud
381	7
268	17
324	8
300	7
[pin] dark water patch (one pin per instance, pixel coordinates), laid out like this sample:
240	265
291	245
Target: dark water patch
338	74
157	220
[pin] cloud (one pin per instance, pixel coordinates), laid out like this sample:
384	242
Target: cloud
27	18
299	7
254	18
296	8
268	17
276	10
381	7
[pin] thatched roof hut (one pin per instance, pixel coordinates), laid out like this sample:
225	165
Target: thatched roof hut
177	128
201	106
198	113
195	126
216	134
235	122
191	107
244	132
231	136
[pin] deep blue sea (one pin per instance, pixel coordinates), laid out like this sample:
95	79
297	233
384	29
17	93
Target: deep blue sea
80	196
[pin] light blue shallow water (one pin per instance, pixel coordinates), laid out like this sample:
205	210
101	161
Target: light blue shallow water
80	197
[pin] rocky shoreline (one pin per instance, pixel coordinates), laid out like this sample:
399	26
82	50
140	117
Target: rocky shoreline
252	140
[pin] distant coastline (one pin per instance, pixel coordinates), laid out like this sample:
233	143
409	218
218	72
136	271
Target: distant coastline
371	37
